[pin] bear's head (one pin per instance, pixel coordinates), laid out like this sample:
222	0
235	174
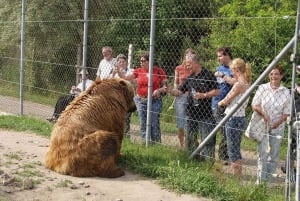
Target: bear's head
115	89
129	90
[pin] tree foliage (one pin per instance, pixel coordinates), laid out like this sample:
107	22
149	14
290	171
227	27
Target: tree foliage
255	29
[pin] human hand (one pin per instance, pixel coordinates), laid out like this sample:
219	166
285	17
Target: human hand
73	88
156	94
219	74
221	110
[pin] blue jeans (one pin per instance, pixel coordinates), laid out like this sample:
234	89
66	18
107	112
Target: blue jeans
180	107
268	157
141	105
205	126
234	129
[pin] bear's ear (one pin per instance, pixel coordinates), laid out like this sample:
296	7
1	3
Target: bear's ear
124	83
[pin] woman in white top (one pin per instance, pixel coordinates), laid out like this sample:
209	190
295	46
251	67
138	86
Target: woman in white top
271	102
122	66
235	126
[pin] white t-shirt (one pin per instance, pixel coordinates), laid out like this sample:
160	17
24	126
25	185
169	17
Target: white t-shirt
274	102
105	68
88	83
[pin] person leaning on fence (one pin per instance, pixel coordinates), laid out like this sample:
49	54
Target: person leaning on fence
64	101
106	65
225	81
159	84
272	103
235	126
181	72
293	149
201	86
121	65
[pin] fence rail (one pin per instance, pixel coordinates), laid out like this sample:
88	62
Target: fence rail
54	49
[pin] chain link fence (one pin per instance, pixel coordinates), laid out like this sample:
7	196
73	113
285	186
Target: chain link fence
254	31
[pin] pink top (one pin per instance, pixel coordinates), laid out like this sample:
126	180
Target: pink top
182	73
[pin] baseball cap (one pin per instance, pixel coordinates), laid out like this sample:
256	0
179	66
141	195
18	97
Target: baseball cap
81	72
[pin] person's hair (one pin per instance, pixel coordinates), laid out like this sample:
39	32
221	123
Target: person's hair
193	58
279	68
121	56
226	51
243	67
107	48
145	55
187	51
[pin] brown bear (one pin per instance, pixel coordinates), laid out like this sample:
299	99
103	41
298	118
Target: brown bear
86	139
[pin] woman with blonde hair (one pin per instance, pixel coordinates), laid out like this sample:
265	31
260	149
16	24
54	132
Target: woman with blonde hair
181	73
235	126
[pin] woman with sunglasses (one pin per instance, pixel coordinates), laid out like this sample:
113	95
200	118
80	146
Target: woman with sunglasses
159	85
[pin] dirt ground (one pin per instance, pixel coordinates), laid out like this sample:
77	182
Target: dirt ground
23	154
24	177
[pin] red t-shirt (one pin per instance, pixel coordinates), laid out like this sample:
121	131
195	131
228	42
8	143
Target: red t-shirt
141	75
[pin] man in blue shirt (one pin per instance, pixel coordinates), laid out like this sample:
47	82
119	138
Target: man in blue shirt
224	80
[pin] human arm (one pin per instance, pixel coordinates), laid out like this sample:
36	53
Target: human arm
174	91
281	120
228	79
176	79
210	94
286	110
74	90
122	74
236	89
162	90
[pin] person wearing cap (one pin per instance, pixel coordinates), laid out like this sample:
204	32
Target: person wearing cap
76	90
64	101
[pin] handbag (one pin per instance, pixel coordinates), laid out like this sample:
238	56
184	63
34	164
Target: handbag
256	128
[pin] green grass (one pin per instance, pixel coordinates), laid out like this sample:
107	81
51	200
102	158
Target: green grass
14	91
25	124
171	168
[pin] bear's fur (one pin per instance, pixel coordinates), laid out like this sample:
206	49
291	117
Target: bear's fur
86	139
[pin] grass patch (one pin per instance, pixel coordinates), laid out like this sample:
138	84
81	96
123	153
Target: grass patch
171	168
63	183
24	123
176	172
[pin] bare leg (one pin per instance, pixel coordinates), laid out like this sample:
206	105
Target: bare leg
181	137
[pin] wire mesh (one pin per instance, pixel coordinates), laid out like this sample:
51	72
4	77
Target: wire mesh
53	54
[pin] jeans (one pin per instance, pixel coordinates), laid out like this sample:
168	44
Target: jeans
141	105
127	123
180	107
205	126
268	155
234	129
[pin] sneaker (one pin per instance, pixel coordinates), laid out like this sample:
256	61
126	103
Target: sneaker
199	158
225	163
51	119
283	169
